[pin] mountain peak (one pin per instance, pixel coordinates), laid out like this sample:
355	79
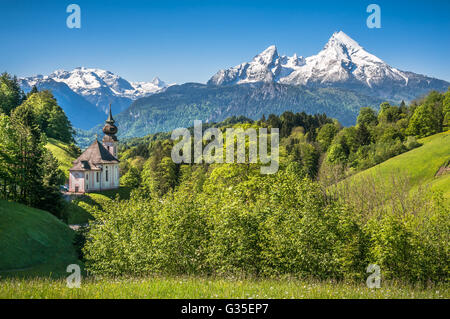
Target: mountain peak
341	39
97	86
157	81
267	56
342	63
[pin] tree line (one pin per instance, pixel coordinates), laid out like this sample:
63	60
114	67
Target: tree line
319	144
228	219
29	174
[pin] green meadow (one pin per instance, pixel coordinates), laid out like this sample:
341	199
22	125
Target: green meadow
33	242
62	152
198	287
420	165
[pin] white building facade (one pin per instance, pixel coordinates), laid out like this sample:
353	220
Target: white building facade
97	168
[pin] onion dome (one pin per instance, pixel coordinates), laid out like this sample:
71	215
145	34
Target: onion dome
110	129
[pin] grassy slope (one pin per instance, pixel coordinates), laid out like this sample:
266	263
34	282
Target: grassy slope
78	209
61	151
33	242
193	287
420	164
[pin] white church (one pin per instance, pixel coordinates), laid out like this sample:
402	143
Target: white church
97	168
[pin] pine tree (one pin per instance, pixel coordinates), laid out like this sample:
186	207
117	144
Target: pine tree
32	91
11	95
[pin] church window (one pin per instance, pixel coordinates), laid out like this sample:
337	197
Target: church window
106	174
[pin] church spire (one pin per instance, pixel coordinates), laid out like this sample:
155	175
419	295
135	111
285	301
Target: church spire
110	119
110	129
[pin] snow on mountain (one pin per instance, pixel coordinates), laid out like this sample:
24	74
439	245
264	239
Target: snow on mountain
146	88
99	87
343	59
341	63
265	67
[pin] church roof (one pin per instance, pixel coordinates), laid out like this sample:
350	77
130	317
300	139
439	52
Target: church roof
95	154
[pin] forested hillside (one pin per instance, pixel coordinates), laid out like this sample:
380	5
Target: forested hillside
29	173
227	219
179	105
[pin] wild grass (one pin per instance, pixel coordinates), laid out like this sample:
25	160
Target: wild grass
198	287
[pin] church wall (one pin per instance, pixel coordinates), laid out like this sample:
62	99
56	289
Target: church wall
113	177
111	147
76	180
87	180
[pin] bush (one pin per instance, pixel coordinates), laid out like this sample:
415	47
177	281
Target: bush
282	224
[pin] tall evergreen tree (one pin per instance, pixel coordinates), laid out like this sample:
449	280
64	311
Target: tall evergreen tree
11	95
51	119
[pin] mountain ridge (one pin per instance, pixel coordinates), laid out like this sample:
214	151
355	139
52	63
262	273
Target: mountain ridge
341	63
342	72
85	93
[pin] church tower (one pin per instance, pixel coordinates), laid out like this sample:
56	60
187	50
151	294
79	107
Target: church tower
110	140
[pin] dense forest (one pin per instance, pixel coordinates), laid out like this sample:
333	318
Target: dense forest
180	105
320	145
29	174
230	220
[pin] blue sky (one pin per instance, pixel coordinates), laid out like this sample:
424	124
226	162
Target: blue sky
188	41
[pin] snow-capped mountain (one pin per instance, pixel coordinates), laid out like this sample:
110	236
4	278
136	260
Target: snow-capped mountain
342	63
99	87
85	93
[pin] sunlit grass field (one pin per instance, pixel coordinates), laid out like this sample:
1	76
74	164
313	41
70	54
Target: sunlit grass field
77	211
420	165
62	153
194	287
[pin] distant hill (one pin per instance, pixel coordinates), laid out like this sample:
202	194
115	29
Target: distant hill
79	111
420	165
33	242
180	105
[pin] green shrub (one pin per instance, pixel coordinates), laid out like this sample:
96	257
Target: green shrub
282	224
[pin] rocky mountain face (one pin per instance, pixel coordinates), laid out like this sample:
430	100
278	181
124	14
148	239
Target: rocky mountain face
338	81
85	93
342	63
